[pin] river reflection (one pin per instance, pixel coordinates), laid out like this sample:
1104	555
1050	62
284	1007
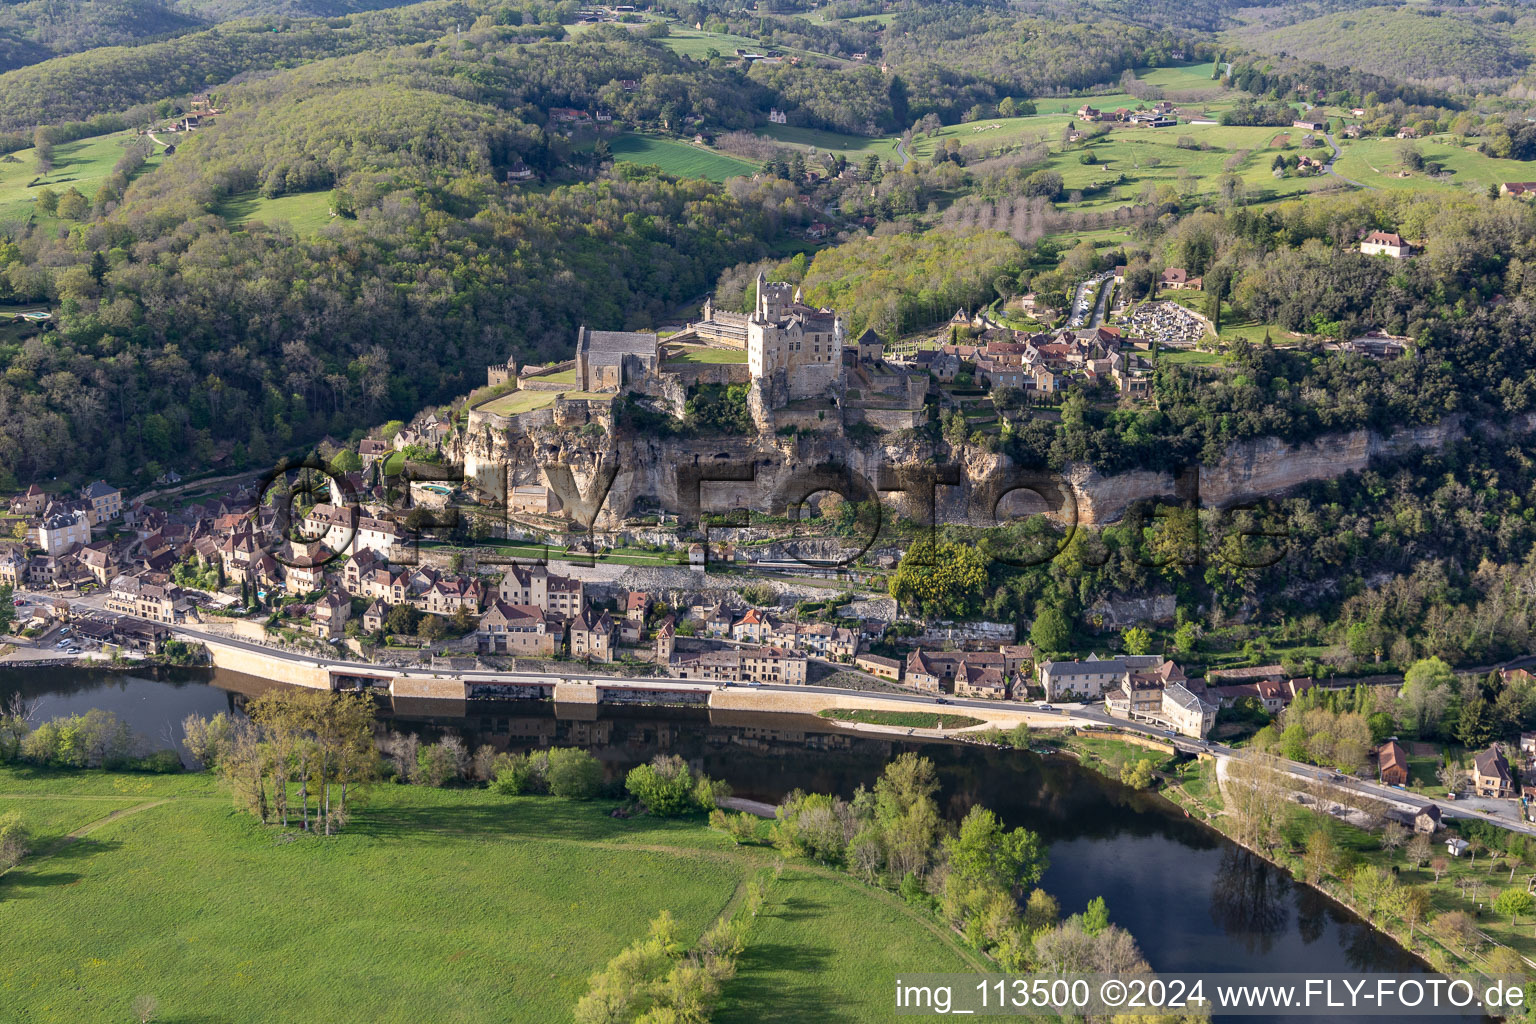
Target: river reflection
1194	901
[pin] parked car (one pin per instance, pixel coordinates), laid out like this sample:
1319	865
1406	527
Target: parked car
1046	707
941	700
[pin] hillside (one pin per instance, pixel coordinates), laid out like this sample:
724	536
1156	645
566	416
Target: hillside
1448	49
114	78
35	30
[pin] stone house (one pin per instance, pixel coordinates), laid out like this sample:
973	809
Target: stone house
1491	776
592	636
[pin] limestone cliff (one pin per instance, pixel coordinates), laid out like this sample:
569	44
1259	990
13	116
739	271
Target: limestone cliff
602	477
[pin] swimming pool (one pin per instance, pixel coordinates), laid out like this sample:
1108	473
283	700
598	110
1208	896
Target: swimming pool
437	489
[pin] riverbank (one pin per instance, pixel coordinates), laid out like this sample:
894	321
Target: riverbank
1382	899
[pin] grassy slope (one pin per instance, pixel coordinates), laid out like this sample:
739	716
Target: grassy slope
83	164
481	907
853	147
306	212
1378	162
520	401
679	158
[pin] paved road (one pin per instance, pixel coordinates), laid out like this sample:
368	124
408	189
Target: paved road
1072	714
1082	316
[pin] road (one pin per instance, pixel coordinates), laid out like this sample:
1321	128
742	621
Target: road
1089	715
1081	316
1334	158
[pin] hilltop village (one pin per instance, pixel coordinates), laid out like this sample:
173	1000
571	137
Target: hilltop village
351	552
348	556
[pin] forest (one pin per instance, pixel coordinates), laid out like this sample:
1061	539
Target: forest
432	268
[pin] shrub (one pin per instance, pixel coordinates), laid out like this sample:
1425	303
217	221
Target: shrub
14	838
513	775
574	773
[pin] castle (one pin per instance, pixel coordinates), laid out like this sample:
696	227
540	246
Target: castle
785	336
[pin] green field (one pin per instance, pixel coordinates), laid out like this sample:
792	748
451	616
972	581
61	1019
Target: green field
706	354
1378	163
306	212
520	401
478	906
853	147
679	158
82	165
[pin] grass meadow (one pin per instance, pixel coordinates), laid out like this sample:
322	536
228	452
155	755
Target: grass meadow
679	158
305	212
449	905
83	164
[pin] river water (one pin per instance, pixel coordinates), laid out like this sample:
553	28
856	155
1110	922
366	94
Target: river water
1193	900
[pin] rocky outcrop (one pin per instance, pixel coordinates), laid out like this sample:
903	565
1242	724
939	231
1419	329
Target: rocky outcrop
1266	467
603	478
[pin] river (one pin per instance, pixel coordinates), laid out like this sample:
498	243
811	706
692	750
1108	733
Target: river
1193	900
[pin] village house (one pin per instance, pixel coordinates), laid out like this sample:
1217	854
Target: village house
821	638
964	673
1307	124
518	629
148	596
1491	776
329	615
1178	279
1518	189
984	681
104	502
61	531
535	585
751	665
304	567
875	665
1385	243
30	502
372	449
1392	763
13	568
592	636
99	560
718	622
1427	820
447	595
1079	680
1139	696
1274	694
1187	713
666	639
374	616
750	627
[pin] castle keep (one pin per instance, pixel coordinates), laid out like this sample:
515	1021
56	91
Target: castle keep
803	343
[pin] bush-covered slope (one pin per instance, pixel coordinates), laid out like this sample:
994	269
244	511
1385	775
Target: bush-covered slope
1404	43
